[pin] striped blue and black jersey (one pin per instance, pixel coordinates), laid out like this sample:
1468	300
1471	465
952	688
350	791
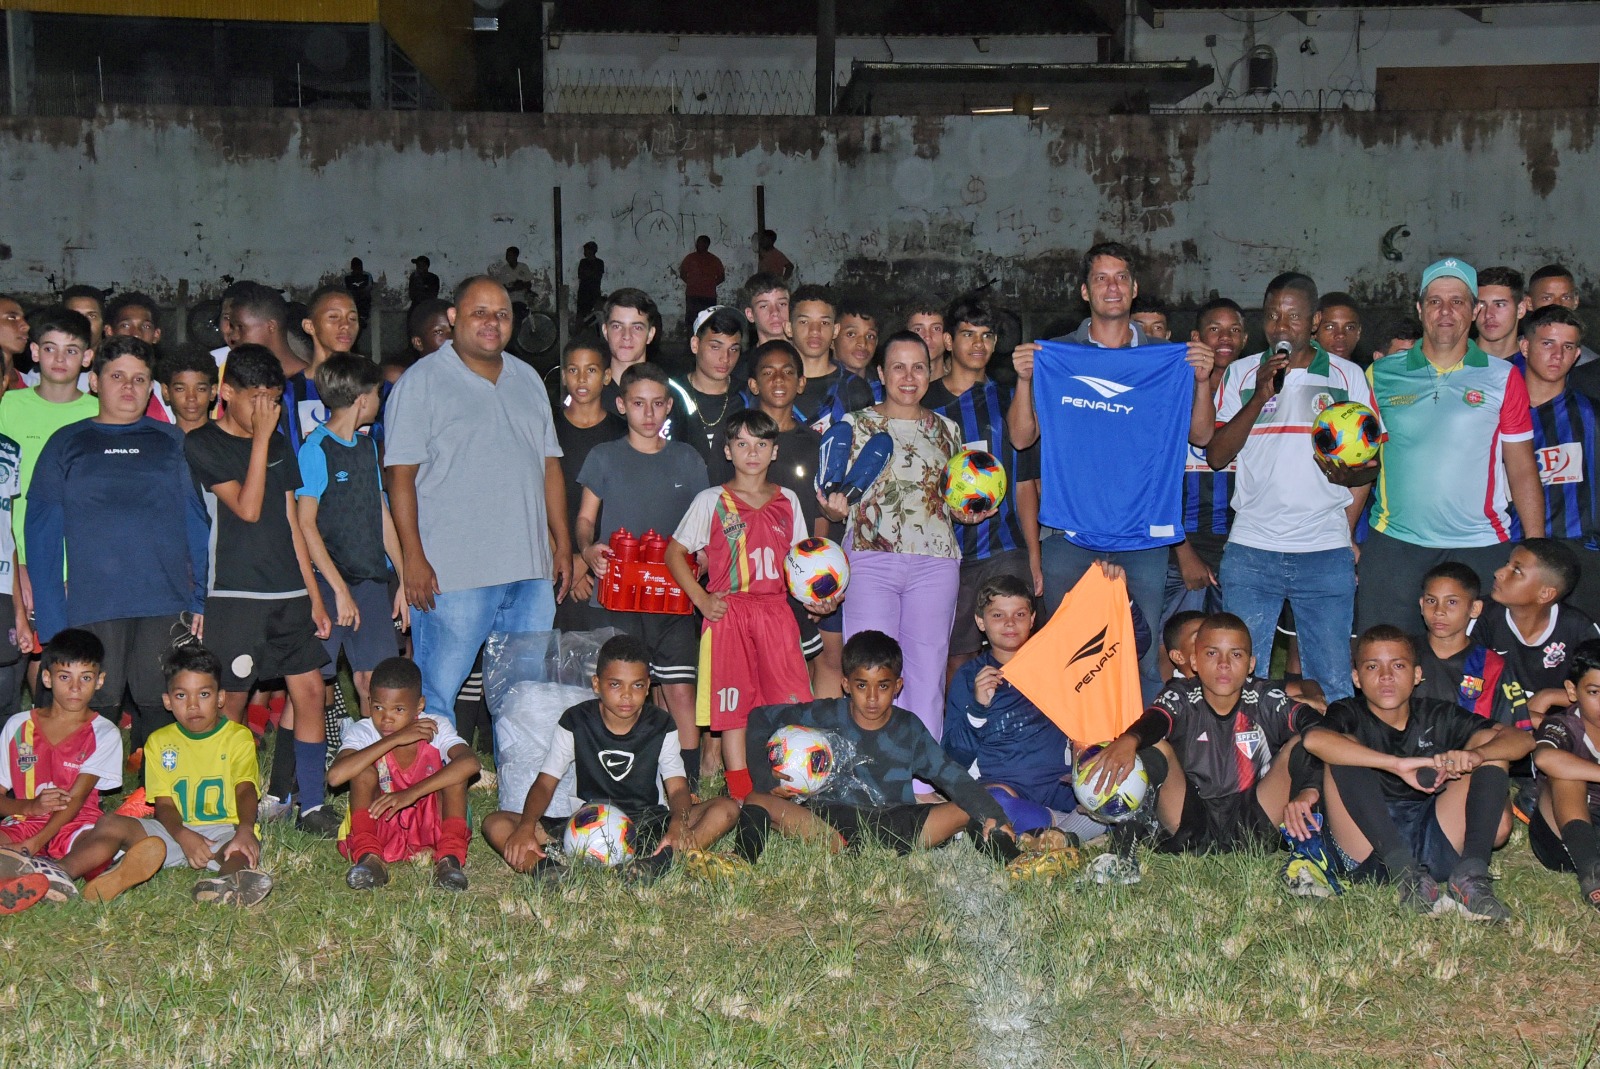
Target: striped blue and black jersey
1207	495
1564	431
981	415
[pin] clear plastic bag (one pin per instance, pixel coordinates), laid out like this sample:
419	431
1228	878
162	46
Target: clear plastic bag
529	680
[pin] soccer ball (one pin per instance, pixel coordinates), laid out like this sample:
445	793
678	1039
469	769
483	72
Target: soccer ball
599	833
1347	432
816	569
973	481
1117	804
801	757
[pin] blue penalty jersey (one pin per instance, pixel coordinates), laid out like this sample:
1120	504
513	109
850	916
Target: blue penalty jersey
1114	433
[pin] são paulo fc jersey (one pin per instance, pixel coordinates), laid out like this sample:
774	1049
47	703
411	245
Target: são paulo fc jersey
1114	428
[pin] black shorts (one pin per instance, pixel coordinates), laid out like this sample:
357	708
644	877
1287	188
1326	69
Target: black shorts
576	614
673	642
1417	821
1219	825
262	639
368	644
895	826
810	635
964	634
1546	844
135	647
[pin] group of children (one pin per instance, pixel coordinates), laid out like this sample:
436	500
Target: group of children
258	478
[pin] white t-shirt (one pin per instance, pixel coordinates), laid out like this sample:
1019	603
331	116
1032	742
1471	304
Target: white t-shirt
105	763
364	733
1282	501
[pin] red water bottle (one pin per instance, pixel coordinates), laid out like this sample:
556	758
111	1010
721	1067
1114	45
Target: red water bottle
624	546
654	547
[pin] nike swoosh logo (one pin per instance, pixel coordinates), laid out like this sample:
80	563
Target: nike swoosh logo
975	722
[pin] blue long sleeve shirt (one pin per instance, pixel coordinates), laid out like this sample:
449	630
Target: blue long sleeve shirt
115	525
1010	740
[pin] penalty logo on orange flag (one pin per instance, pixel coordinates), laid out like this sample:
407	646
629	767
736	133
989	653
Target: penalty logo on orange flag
1082	669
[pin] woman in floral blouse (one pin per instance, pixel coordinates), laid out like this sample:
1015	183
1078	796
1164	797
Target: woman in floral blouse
905	562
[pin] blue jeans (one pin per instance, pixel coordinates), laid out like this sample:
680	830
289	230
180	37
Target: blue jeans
1179	598
446	640
1064	563
1319	586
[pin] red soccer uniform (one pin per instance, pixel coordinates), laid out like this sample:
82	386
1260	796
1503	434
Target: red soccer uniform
752	655
31	763
416	829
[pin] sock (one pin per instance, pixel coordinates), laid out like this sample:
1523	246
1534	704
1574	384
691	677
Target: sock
1583	846
1362	793
750	833
280	784
739	784
310	774
1486	803
453	837
363	838
691	768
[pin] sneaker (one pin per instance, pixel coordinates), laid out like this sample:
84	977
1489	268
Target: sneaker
648	868
1589	887
1044	864
274	808
1000	845
448	875
62	886
322	822
1525	800
15	862
139	862
136	807
750	833
706	865
1471	893
1420	893
367	873
211	889
549	870
250	886
1110	868
1305	879
18	893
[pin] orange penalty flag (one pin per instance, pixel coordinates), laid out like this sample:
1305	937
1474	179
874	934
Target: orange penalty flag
1082	669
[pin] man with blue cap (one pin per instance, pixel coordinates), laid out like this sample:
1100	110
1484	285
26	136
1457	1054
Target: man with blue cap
1458	453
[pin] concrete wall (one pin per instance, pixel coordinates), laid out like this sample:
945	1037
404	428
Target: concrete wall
1216	203
1346	48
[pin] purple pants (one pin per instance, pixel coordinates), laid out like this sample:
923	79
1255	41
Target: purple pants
912	599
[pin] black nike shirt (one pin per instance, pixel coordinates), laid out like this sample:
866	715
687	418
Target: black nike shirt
627	770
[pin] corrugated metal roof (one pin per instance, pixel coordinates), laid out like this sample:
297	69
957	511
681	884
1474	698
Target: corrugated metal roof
856	18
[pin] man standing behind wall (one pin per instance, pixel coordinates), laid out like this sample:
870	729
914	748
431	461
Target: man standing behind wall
1459	446
476	492
1109	288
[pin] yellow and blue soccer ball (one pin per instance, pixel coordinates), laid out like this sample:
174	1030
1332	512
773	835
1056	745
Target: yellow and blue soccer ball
1116	803
1347	432
816	569
972	481
601	834
801	758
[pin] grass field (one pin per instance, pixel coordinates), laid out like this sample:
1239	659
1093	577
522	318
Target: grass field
810	960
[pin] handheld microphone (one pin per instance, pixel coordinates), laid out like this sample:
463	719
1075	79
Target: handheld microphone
1283	348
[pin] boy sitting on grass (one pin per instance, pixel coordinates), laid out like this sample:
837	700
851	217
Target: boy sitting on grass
204	782
1455	666
1178	639
1567	754
750	651
56	759
892	748
627	755
408	774
1020	754
1415	789
1220	753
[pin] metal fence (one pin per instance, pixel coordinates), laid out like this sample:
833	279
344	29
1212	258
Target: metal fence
628	92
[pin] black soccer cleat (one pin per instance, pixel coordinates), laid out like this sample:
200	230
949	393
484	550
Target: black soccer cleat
1000	845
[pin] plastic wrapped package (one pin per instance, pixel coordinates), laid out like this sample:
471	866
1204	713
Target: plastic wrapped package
529	680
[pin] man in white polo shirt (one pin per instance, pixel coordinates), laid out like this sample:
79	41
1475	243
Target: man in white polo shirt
1290	538
477	494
